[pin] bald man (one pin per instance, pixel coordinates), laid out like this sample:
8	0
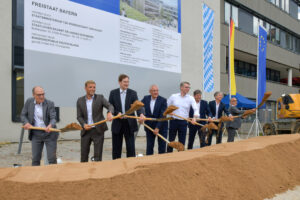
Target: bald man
155	106
40	112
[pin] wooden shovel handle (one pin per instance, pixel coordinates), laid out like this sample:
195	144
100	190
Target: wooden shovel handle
206	120
135	117
105	120
159	135
187	120
43	129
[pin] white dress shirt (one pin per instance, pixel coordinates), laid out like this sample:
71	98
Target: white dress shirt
217	110
123	98
89	106
198	105
38	115
183	103
152	104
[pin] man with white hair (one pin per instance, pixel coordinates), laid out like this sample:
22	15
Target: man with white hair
155	105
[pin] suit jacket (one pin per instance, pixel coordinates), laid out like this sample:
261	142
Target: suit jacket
204	112
159	108
237	122
49	114
97	112
115	101
222	108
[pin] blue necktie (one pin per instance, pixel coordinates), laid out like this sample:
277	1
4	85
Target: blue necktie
123	97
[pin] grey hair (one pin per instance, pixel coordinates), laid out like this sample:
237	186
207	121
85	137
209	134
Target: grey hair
184	82
33	89
197	92
217	93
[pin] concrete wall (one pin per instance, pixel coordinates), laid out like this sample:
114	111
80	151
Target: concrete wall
7	127
192	44
272	12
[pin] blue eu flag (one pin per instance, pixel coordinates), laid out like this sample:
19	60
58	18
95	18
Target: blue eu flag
262	53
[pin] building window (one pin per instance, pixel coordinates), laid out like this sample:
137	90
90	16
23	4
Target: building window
227	12
231	11
245	21
17	59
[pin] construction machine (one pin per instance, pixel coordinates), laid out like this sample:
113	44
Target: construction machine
287	116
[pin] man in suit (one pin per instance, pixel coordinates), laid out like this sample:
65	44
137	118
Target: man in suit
89	111
40	112
217	108
121	99
233	126
155	106
204	113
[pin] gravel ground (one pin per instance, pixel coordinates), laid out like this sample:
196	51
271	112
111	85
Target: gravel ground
69	150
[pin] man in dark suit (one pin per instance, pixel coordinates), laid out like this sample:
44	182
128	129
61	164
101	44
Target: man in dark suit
40	112
121	99
233	126
89	111
204	113
217	108
155	106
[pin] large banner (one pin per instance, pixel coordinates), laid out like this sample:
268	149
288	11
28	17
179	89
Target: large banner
67	40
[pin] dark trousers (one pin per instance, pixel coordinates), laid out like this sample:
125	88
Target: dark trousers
218	134
231	133
192	133
39	138
151	140
91	136
179	126
117	141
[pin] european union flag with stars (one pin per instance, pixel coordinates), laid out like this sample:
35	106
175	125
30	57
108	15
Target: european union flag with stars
262	53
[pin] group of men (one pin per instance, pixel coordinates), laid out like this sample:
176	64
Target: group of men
40	112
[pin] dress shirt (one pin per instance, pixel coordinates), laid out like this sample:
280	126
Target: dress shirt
89	106
152	104
198	105
123	98
38	115
217	110
183	103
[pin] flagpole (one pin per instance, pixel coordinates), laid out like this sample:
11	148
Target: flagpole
229	60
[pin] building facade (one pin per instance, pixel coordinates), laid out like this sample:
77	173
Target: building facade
279	17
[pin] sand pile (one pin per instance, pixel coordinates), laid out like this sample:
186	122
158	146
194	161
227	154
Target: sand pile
257	168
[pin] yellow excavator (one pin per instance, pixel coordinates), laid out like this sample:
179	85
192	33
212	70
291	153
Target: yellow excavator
287	116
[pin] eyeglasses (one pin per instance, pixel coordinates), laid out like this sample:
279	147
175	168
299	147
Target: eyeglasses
43	94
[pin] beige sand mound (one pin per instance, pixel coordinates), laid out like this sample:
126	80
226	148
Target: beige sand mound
257	168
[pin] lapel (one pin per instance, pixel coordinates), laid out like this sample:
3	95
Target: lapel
83	102
31	111
93	106
155	105
45	105
201	107
127	103
118	96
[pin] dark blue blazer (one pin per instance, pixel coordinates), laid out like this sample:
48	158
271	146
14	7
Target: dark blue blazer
222	108
159	108
204	112
115	101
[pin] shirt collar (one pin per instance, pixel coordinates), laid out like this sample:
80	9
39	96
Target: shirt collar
123	91
90	99
37	103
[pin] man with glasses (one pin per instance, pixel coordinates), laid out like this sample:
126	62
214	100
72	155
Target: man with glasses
40	112
233	126
184	102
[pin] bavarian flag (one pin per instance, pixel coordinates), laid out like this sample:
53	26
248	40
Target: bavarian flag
232	84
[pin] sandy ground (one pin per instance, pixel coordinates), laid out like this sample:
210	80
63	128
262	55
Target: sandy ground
257	168
69	151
